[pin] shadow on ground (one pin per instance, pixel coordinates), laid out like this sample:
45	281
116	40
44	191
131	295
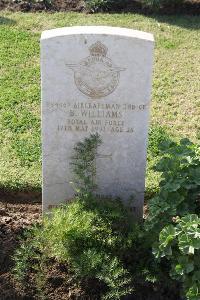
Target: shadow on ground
186	15
26	196
6	21
184	21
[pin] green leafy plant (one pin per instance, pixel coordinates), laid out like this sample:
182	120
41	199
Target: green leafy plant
157	135
180	244
179	186
177	202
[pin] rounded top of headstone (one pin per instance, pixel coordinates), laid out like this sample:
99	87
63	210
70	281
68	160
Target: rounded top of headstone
104	30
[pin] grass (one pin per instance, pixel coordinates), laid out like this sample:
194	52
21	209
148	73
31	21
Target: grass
175	97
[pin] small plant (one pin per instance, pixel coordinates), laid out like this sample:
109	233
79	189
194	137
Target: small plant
179	186
29	260
180	244
84	165
93	241
91	236
177	202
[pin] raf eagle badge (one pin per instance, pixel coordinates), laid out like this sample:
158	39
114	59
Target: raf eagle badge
96	76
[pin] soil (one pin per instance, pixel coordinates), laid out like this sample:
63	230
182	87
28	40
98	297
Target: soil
28	5
18	211
189	7
14	218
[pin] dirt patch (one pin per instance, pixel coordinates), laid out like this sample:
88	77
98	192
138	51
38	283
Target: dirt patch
56	5
20	197
14	218
189	7
68	5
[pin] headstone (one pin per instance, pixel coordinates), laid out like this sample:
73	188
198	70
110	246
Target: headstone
96	79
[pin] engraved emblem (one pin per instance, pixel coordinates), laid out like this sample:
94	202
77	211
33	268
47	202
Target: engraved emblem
96	76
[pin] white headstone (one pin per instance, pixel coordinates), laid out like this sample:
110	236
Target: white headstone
96	79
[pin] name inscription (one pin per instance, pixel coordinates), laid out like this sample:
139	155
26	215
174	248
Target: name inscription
95	117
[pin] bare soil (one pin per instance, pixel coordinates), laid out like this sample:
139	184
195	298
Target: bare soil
14	218
189	7
28	5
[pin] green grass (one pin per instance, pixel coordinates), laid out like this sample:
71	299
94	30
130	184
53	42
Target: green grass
175	104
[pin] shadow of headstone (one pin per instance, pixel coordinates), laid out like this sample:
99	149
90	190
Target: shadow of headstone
6	21
183	21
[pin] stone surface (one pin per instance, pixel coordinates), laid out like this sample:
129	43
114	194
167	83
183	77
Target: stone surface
96	79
